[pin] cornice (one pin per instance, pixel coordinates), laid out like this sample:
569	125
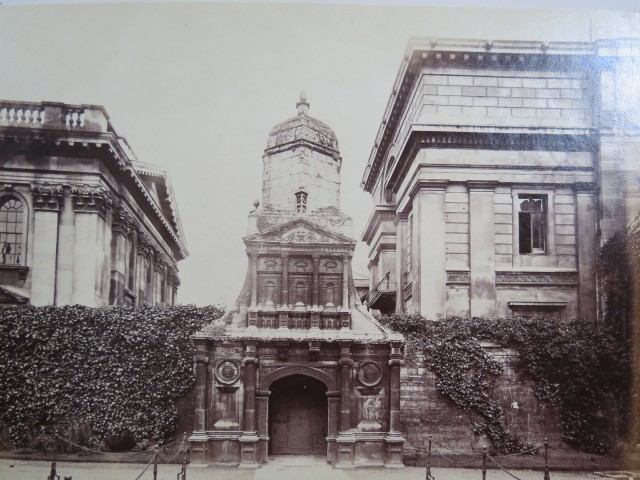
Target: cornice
484	54
505	139
85	128
379	214
481	185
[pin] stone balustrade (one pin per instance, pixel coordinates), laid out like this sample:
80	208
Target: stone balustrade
55	116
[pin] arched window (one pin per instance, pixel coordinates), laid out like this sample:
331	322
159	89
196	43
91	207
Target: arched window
12	216
330	294
300	293
269	292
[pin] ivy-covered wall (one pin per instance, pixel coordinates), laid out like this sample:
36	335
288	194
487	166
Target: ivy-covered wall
102	377
508	383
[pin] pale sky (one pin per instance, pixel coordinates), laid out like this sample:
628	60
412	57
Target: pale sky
196	88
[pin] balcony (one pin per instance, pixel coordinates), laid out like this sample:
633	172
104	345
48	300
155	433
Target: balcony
383	296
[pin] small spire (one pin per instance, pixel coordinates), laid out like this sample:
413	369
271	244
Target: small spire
303	105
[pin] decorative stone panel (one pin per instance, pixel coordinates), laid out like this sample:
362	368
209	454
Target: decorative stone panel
537	278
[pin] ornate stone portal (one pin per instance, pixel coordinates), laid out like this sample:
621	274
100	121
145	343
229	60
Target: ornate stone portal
298	329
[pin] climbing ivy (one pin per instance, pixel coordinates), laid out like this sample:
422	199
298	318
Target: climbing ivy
619	269
580	367
112	373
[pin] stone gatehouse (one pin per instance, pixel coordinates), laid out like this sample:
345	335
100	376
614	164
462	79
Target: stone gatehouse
300	367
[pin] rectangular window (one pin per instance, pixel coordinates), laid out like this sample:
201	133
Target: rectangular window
532	223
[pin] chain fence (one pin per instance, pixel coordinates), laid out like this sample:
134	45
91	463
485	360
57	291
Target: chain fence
467	458
155	459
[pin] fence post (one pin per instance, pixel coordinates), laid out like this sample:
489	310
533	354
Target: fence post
484	463
546	460
155	464
53	471
428	474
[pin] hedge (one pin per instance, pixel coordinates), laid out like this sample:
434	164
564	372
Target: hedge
111	373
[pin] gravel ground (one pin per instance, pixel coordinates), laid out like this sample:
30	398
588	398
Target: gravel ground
275	470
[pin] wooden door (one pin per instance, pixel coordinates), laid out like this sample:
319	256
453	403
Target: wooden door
298	417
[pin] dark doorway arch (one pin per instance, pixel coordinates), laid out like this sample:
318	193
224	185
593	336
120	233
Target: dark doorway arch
298	413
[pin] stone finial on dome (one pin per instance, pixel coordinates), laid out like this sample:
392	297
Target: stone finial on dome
303	105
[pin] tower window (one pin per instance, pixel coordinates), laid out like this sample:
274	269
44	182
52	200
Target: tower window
11	222
532	223
301	202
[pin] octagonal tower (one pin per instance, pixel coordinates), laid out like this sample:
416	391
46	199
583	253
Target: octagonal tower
301	164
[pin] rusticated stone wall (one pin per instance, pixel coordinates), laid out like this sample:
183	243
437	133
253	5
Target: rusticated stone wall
425	411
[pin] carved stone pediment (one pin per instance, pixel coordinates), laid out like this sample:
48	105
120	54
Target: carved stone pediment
299	231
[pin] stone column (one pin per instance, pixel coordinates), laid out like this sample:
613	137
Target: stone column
284	294
401	223
333	398
394	439
121	224
198	439
346	439
345	282
262	399
202	362
254	279
283	311
47	200
586	241
482	248
316	280
249	438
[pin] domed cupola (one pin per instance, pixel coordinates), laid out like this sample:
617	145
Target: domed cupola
303	130
301	164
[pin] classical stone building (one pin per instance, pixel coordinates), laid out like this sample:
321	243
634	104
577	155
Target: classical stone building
497	172
81	220
300	367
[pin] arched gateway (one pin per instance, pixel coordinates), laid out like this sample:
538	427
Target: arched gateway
298	416
299	367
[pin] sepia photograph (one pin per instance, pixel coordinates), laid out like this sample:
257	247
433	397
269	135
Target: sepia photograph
333	240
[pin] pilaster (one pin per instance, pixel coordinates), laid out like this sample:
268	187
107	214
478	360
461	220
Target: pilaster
482	249
284	297
202	361
333	400
316	282
249	438
47	200
394	439
262	400
345	439
401	223
587	253
91	205
66	245
121	226
430	258
346	268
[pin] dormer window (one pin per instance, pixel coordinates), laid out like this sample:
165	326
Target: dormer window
301	201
